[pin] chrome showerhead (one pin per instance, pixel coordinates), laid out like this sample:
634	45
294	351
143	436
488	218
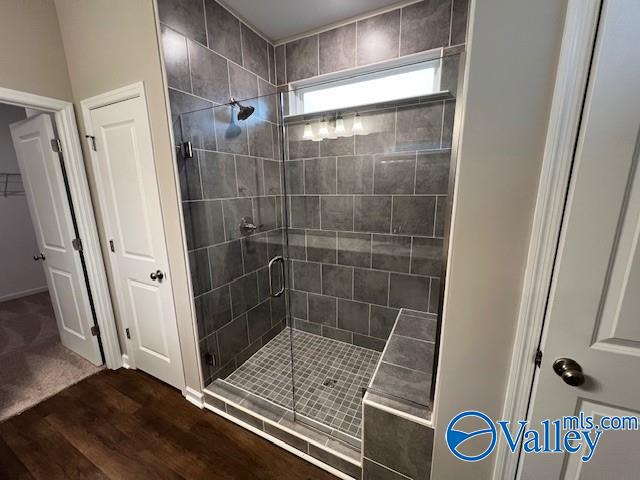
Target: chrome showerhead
244	111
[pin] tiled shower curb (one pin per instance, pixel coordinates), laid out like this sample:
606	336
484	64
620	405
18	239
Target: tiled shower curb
296	442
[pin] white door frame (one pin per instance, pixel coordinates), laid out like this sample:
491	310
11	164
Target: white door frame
79	188
574	62
128	92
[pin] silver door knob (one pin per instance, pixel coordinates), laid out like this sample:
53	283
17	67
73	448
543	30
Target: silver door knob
569	370
157	275
39	257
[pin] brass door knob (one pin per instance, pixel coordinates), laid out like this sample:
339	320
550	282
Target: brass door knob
569	370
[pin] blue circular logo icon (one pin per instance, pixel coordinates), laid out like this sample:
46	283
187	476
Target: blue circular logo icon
456	438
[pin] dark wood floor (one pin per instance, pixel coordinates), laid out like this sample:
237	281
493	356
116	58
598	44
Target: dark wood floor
124	424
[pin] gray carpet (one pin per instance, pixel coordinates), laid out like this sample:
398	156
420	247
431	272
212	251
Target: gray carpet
33	363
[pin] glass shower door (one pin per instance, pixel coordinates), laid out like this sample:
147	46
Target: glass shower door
229	161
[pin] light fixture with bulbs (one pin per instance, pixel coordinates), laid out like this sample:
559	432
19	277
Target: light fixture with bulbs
324	128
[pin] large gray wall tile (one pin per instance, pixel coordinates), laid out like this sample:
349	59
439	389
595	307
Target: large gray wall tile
432	172
391	252
255	52
249	172
419	127
223	30
394	173
209	74
176	59
370	286
459	22
353	316
414	442
336	212
204	226
427	256
322	309
254	252
218	174
372	214
226	263
378	38
189	174
320	175
338	49
302	58
380	129
259	320
200	273
233	338
244	294
425	25
213	310
355	174
298	304
409	291
413	215
354	249
382	321
337	281
306	276
321	246
185	16
281	77
242	83
305	211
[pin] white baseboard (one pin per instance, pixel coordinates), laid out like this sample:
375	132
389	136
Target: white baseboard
23	293
125	361
194	396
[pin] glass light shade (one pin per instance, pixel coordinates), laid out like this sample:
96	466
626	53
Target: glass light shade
324	129
357	125
339	126
308	132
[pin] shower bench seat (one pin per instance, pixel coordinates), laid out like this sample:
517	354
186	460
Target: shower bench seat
397	405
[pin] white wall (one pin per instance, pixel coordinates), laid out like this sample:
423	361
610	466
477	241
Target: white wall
19	274
512	58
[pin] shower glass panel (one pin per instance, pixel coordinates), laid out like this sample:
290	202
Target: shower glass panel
234	221
307	234
367	195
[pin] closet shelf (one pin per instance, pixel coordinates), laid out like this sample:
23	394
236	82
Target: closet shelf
11	185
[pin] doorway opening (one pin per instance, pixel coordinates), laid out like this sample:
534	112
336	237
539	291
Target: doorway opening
47	315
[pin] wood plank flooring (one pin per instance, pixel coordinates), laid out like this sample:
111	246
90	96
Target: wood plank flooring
126	425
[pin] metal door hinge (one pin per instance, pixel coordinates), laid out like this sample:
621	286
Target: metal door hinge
210	359
128	333
77	244
111	246
95	331
187	150
538	358
56	146
92	141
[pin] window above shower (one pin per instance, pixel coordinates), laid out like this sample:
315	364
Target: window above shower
358	89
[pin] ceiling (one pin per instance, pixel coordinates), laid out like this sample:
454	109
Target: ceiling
281	19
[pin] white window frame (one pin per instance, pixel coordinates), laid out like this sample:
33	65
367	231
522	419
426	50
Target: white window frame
354	75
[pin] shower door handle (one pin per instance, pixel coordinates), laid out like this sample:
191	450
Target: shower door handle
273	261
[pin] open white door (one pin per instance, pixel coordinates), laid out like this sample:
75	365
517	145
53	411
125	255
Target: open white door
594	307
44	183
125	169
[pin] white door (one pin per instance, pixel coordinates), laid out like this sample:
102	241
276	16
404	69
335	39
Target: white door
594	307
125	167
46	193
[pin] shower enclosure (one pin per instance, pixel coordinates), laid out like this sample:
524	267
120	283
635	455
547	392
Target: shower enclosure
308	230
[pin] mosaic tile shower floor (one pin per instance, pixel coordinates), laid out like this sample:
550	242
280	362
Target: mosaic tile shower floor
329	377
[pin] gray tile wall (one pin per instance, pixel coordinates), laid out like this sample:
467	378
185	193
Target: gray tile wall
210	55
415	28
366	235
